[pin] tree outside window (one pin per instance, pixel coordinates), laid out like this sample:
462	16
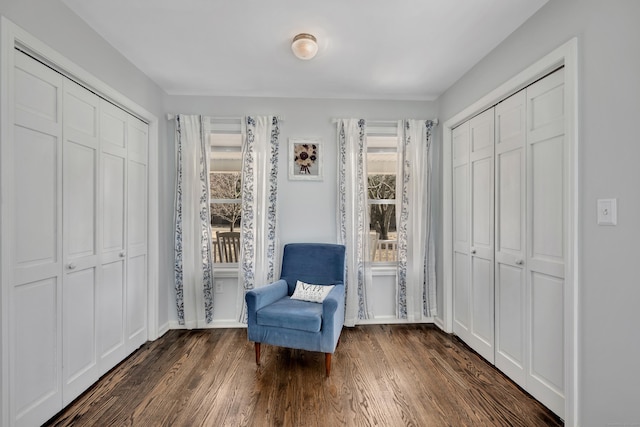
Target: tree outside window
226	187
382	187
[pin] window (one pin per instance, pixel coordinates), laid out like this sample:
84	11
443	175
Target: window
225	178
382	165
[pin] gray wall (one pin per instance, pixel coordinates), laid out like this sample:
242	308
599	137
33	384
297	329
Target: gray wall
54	24
609	92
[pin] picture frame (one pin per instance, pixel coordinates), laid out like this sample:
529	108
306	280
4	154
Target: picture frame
306	156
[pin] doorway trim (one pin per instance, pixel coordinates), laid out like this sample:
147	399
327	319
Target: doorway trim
566	56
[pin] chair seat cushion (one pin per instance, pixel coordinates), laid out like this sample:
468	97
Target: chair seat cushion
291	314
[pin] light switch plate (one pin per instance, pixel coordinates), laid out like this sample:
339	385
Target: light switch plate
607	212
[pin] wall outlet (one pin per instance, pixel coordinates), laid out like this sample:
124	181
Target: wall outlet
219	288
607	211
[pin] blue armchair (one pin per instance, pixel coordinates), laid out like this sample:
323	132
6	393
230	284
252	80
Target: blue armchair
274	318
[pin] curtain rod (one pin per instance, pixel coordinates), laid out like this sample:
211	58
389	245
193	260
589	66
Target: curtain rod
383	122
173	116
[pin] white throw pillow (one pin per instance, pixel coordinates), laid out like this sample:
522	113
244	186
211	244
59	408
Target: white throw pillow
311	293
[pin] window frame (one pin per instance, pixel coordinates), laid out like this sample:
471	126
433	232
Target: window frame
232	127
383	130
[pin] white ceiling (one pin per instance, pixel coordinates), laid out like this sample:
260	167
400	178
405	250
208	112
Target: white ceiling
369	49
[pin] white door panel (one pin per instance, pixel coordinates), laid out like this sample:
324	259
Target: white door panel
137	206
136	301
510	248
111	344
35	352
113	204
481	248
36	203
482	305
37	95
79	193
510	205
547	194
509	306
460	142
35	336
547	339
79	189
461	295
482	200
111	312
79	333
461	223
546	368
138	134
137	196
461	207
482	134
546	208
113	128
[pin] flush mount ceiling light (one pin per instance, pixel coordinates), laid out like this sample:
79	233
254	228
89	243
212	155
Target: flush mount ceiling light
304	46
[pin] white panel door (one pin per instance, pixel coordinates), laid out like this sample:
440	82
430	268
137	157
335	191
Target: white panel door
35	260
546	245
111	344
461	242
481	139
137	232
510	237
80	169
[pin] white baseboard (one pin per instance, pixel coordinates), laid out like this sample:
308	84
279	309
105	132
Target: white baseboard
440	324
216	324
163	329
392	320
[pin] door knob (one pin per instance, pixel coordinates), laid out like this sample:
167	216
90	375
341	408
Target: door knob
473	251
519	262
121	254
71	266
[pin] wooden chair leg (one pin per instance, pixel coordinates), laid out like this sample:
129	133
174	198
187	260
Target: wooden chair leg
257	345
327	363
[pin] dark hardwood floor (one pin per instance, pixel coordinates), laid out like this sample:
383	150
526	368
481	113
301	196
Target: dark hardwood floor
382	375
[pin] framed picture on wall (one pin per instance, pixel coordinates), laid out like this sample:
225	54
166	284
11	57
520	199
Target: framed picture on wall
305	159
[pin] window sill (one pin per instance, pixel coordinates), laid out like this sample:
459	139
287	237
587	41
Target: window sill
384	269
226	271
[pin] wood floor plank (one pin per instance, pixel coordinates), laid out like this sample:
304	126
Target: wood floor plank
382	375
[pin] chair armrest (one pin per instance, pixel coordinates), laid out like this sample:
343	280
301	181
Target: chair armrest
259	297
333	300
333	317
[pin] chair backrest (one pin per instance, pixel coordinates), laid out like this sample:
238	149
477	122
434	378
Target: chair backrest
315	263
228	245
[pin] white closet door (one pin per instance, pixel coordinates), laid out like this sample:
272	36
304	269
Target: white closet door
461	242
35	259
481	132
111	291
510	237
137	232
546	210
80	169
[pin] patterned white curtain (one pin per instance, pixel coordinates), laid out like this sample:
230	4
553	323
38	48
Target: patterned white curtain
353	215
258	245
193	258
416	284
